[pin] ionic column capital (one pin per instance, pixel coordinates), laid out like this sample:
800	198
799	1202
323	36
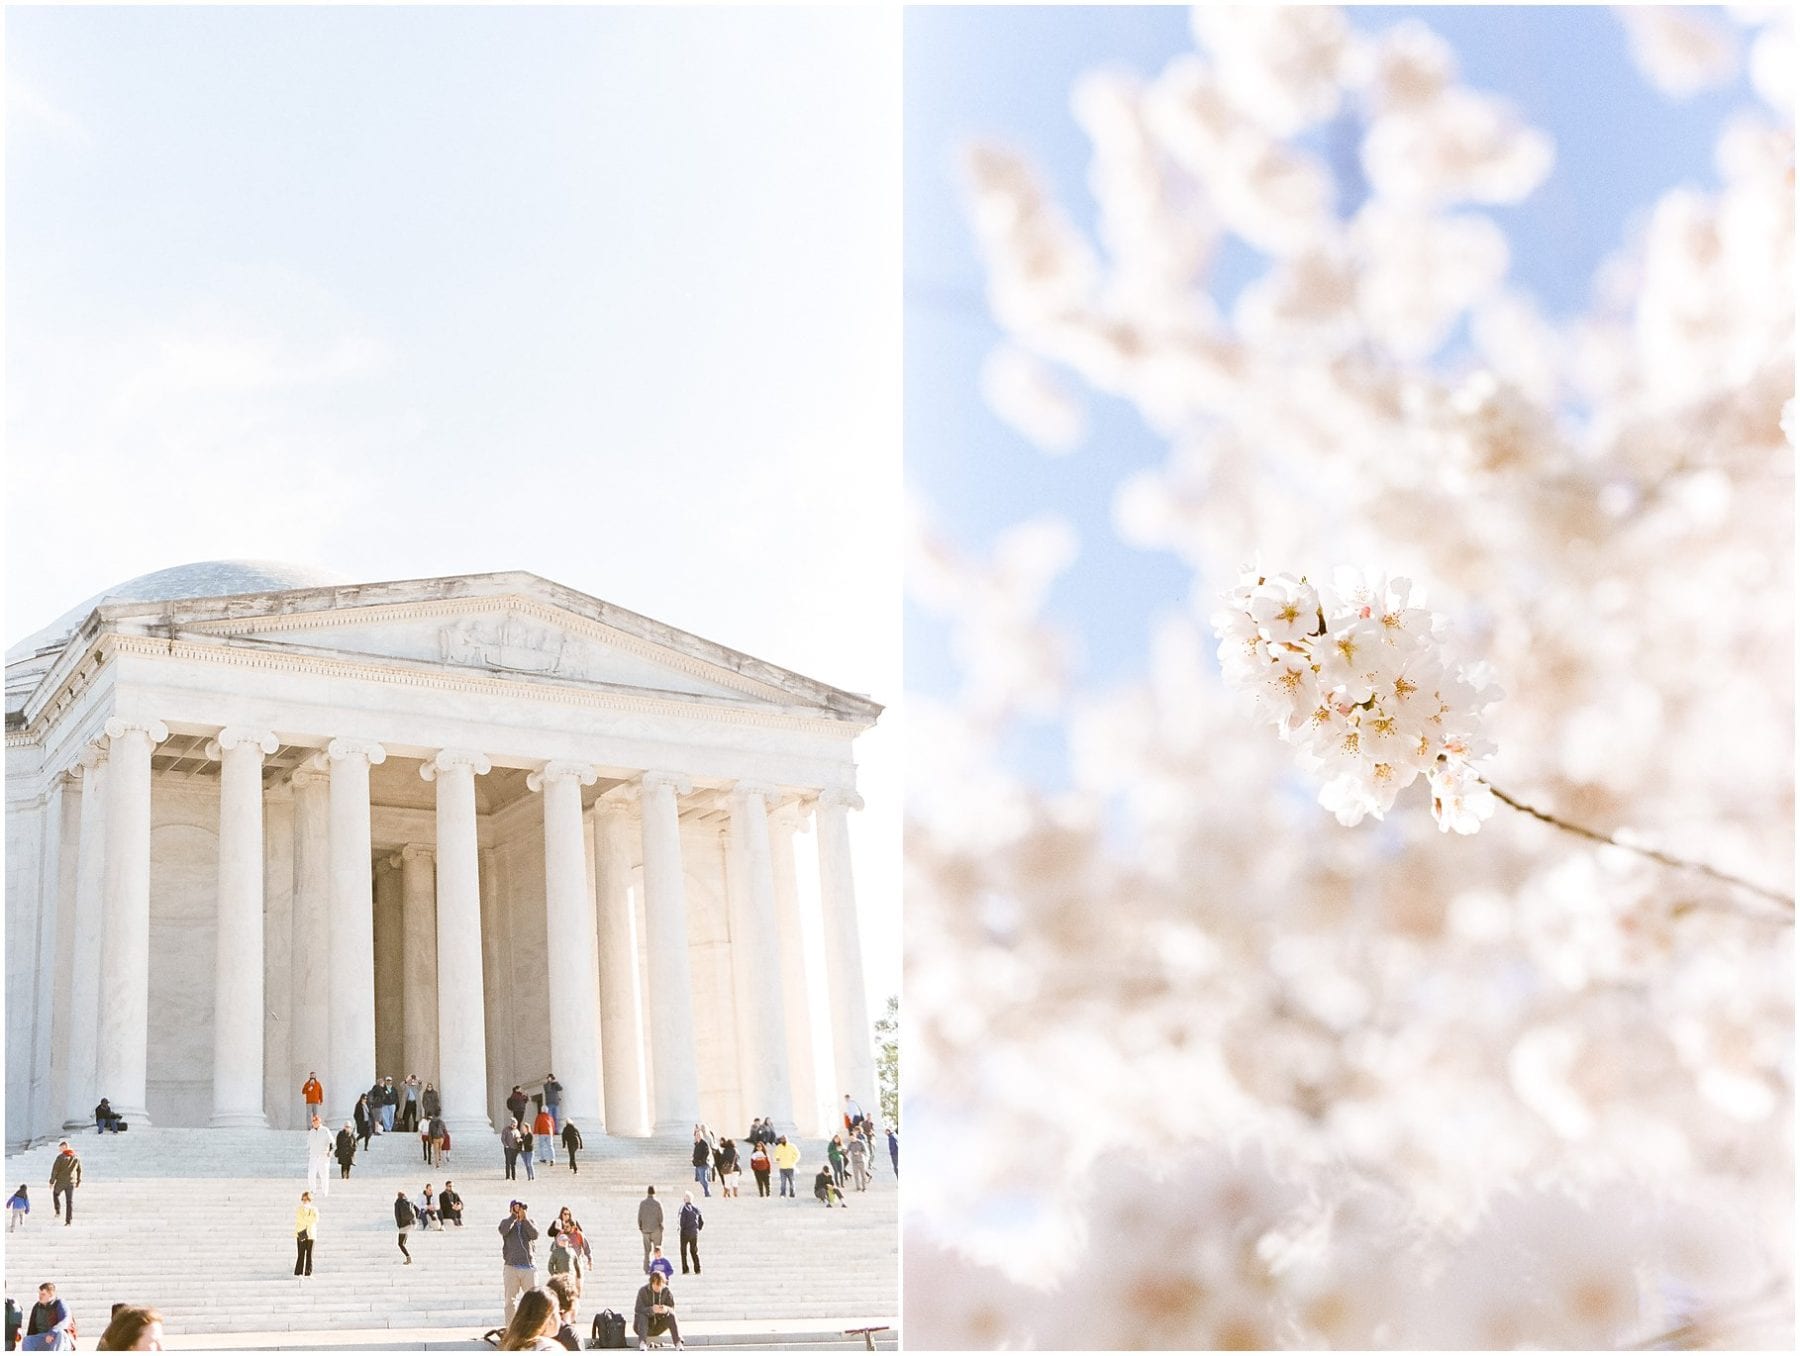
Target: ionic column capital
840	798
233	736
309	773
656	781
790	816
412	852
584	774
617	800
765	791
117	727
451	760
89	758
344	750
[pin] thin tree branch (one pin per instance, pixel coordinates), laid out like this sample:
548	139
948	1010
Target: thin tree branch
1679	863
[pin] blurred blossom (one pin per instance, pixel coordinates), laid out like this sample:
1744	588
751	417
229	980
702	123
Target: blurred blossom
1219	1071
1022	391
1681	51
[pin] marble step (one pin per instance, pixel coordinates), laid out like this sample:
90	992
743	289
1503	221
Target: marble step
198	1223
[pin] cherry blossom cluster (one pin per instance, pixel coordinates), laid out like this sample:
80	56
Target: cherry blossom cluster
1354	674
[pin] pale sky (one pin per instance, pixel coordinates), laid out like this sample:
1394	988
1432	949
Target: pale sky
607	295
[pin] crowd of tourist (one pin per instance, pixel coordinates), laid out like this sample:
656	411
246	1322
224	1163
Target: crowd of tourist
537	1317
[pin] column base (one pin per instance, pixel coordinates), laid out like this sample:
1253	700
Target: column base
683	1127
239	1120
79	1124
134	1116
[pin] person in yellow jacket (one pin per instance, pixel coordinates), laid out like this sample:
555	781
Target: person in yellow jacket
787	1158
306	1228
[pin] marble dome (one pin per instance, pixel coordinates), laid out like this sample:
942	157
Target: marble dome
201	579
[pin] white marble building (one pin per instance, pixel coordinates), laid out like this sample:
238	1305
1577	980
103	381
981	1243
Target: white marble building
261	821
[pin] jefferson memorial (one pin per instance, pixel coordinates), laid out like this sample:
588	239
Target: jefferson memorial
261	821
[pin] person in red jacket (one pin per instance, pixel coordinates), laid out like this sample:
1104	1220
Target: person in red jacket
543	1132
314	1094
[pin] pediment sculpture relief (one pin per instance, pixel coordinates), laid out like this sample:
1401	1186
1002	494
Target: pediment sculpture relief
513	643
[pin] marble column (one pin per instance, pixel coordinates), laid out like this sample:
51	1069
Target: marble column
351	1022
41	1114
238	965
122	1065
461	1024
82	1047
676	1077
495	1010
388	921
569	910
756	962
621	1034
311	1043
418	963
852	1039
796	995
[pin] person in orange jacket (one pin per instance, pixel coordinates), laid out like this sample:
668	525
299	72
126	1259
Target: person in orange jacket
314	1094
543	1132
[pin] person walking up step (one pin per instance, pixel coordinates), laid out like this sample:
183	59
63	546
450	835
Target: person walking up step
650	1222
306	1229
527	1148
65	1176
691	1223
18	1205
571	1138
518	1271
405	1216
319	1146
509	1145
346	1150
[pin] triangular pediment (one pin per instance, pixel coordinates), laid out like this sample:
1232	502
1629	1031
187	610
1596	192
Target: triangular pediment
510	625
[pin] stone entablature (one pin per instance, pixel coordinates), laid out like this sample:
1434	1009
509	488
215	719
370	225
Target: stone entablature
297	717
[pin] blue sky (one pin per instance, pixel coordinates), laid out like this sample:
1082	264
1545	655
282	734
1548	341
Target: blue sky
1004	74
604	294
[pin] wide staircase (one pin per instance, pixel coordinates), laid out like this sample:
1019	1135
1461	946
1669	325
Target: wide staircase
200	1225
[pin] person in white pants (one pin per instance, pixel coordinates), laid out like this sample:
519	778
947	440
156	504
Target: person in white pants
318	1159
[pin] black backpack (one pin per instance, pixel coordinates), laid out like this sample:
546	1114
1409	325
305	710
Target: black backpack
609	1330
